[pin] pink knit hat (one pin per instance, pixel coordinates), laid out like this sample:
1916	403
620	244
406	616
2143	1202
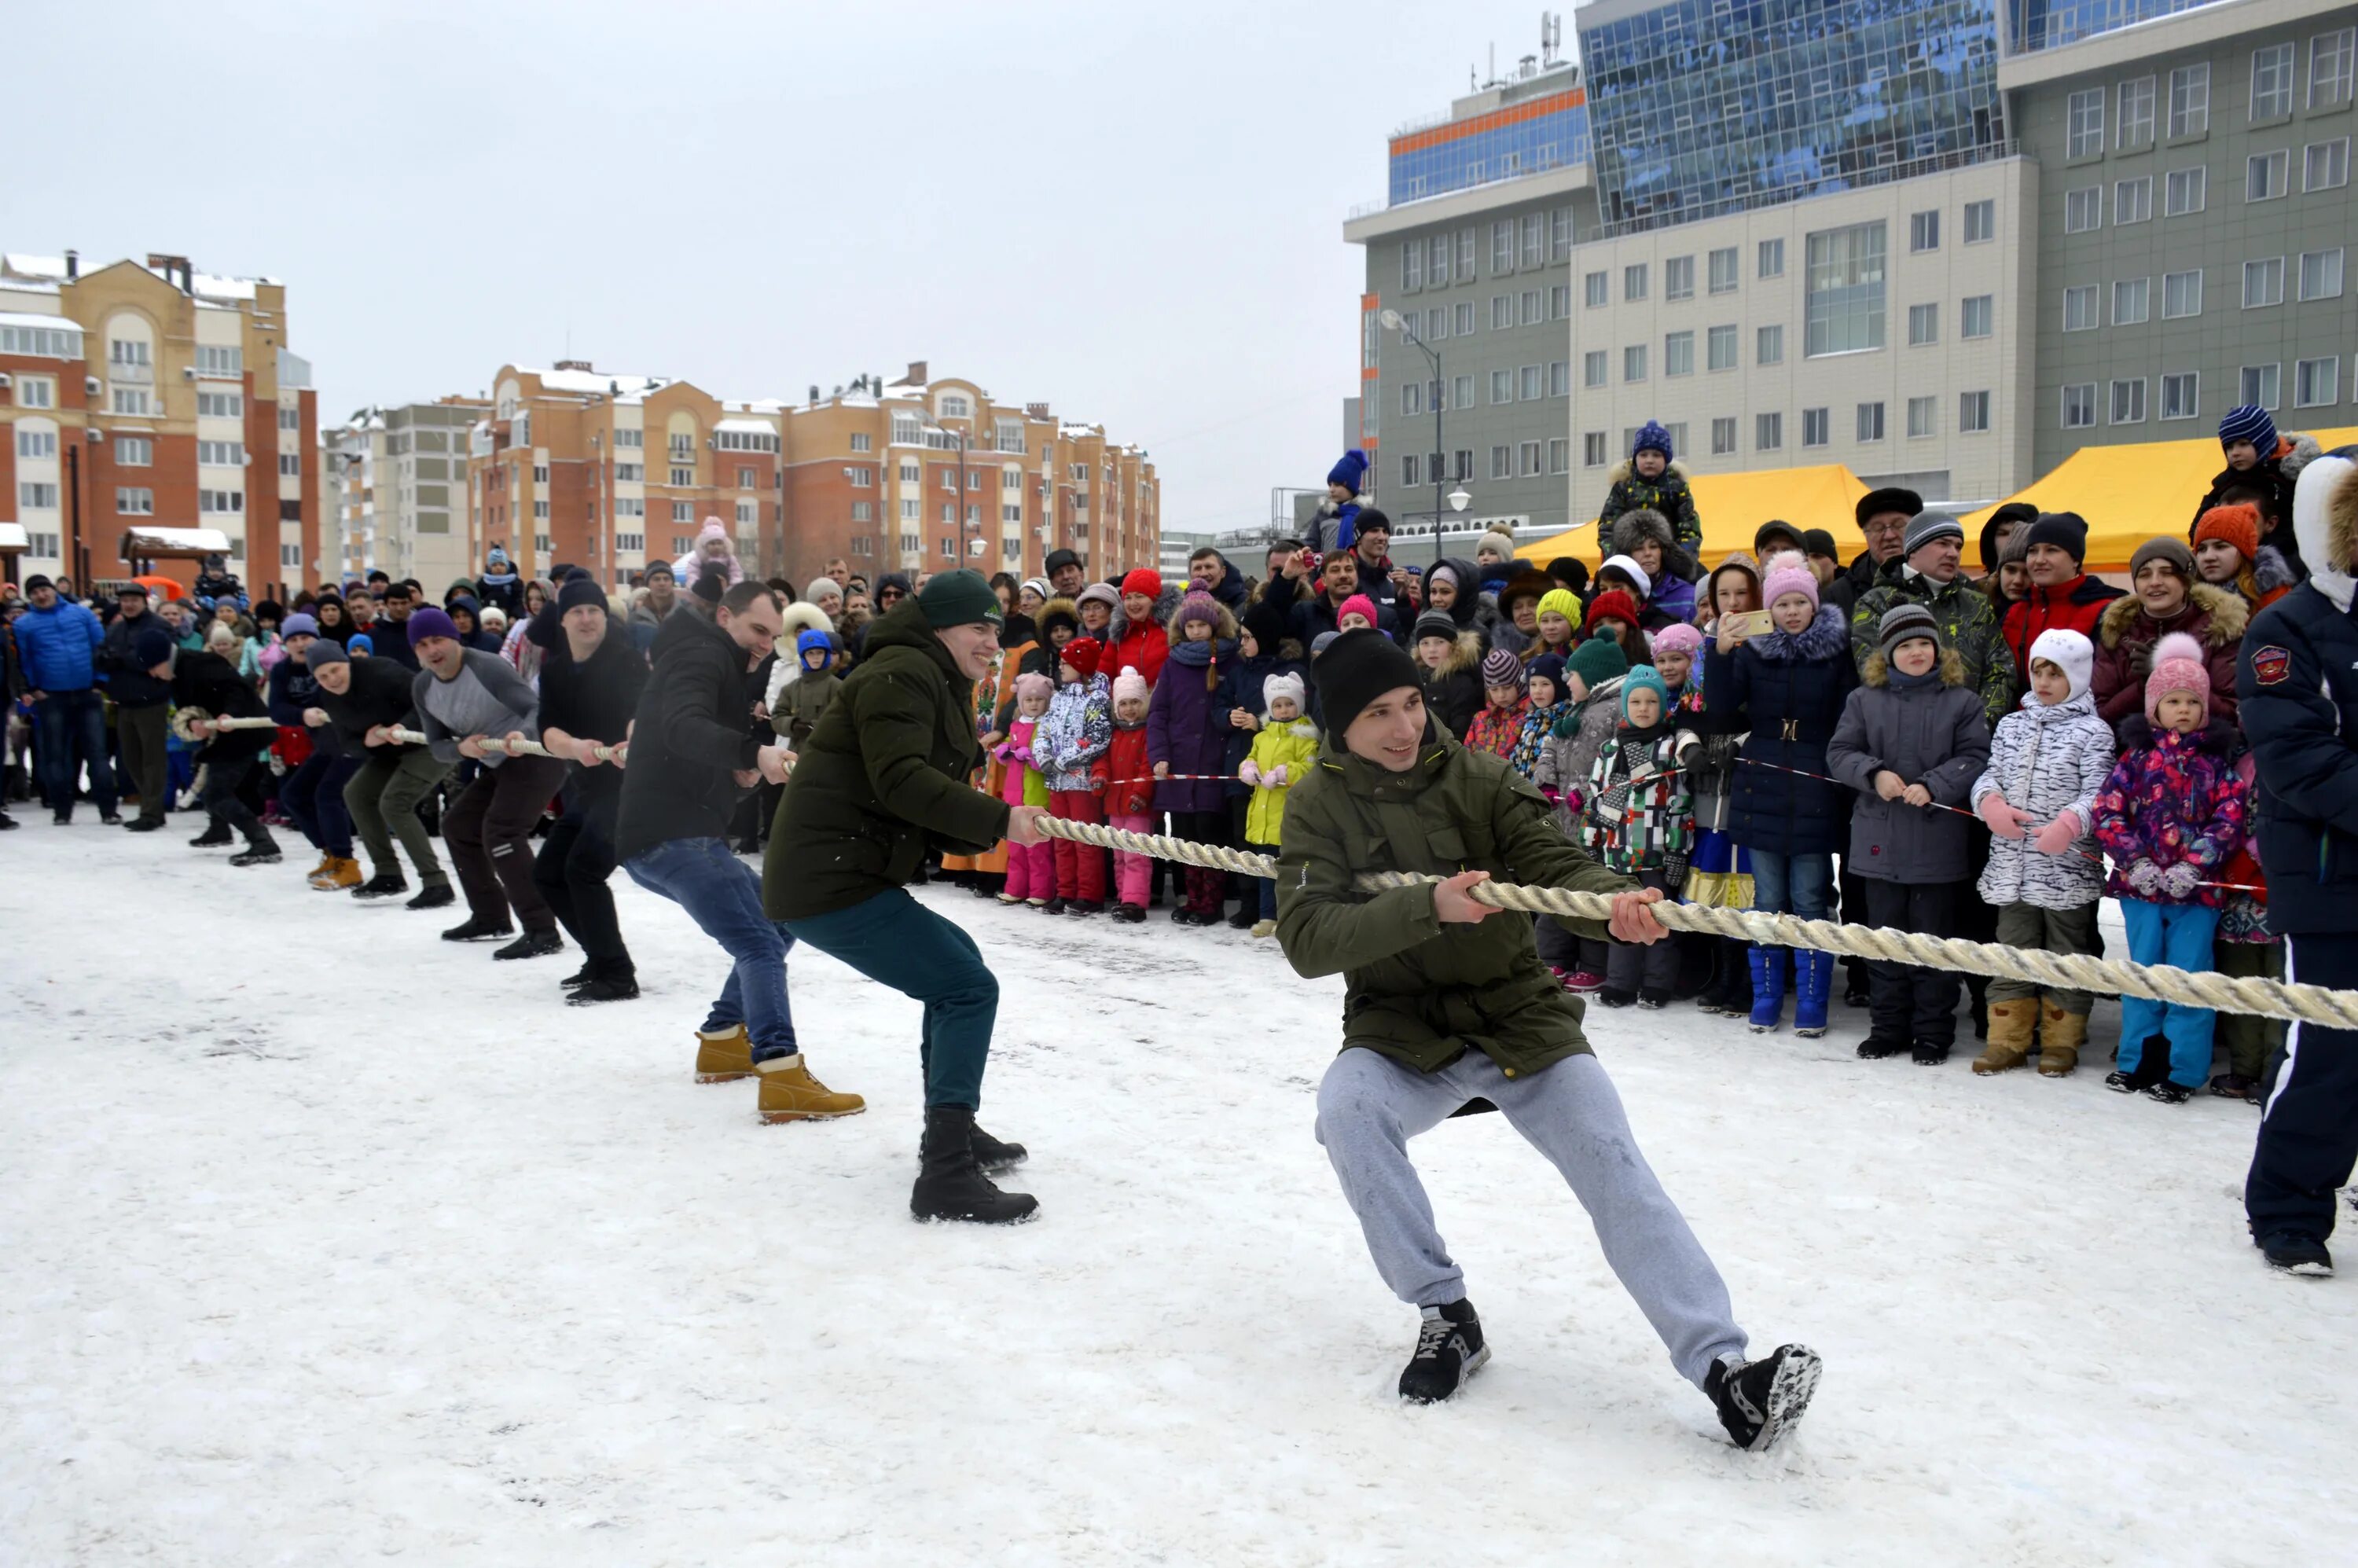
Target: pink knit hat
1789	579
1677	638
1357	604
2177	666
1035	684
1128	684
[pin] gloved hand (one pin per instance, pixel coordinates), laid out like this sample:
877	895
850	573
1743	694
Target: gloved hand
1249	773
2058	837
1023	755
1275	777
2145	877
2004	820
1555	795
2179	880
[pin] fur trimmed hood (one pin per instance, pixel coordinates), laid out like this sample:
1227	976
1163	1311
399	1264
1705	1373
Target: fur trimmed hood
1465	655
1640	524
803	616
2325	522
1626	469
2270	571
2225	615
1829	634
1877	671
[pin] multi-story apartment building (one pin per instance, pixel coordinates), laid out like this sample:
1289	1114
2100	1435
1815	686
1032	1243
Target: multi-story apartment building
154	396
2195	220
578	466
921	474
398	492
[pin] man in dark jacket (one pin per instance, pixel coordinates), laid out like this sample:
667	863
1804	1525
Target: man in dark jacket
690	755
1212	572
141	705
1444	1007
1930	572
1882	516
2296	682
367	702
881	780
206	680
591	677
1313	609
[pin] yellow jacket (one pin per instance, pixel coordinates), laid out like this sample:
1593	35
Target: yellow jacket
1292	746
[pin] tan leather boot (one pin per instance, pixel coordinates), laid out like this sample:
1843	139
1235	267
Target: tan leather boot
2008	1045
789	1093
338	872
315	872
723	1057
2060	1035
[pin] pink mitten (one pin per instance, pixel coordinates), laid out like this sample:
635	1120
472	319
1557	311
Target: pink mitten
2004	820
2058	837
1249	773
1023	755
1275	778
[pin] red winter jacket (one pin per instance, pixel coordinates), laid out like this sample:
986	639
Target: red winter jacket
1126	763
1144	649
2074	606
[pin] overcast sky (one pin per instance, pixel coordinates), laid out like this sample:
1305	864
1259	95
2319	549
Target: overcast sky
1132	213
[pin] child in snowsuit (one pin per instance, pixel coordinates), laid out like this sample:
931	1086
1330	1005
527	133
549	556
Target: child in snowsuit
2171	816
806	698
1653	478
1282	753
1188	727
1639	822
1070	747
1499	725
1031	868
2047	760
1130	795
1912	739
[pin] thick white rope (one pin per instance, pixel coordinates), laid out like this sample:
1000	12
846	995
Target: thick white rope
2056	971
500	747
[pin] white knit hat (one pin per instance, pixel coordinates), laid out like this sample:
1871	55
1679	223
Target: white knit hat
1283	683
2069	652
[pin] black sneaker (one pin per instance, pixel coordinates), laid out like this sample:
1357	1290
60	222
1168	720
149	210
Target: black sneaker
214	835
1449	1349
112	818
1054	907
1926	1055
384	884
6	822
537	944
2152	1068
143	824
2235	1085
439	896
261	852
2169	1093
604	988
475	928
1613	996
1758	1401
2292	1254
1875	1047
580	977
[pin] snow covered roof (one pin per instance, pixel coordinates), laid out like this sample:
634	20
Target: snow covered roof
34	319
12	538
21	264
167	541
758	427
588	381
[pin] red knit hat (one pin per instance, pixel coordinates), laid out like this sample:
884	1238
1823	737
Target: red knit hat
2238	523
1082	653
1612	602
1145	580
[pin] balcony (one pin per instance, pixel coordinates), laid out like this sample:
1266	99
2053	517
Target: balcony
123	373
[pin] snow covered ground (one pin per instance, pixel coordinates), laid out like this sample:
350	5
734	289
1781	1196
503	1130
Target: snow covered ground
326	1241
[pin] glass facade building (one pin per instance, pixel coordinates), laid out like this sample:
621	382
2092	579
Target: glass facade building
1513	139
2050	23
1701	107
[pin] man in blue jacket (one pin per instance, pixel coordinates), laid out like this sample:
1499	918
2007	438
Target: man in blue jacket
2296	680
58	643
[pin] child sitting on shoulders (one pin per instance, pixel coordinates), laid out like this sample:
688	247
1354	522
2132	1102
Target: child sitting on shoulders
1499	725
1281	756
1639	822
2170	814
1031	868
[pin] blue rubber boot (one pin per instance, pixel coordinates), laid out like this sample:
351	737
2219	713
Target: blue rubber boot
1814	979
1768	988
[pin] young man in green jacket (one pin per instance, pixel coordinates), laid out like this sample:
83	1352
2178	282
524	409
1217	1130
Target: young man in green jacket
1448	1008
882	776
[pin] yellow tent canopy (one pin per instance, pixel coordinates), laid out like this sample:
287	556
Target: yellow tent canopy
1734	505
2132	492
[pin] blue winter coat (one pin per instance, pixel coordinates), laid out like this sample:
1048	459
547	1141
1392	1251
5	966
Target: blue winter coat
1789	690
2296	685
1184	729
57	647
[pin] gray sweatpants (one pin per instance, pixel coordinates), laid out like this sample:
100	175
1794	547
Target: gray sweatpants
1369	1107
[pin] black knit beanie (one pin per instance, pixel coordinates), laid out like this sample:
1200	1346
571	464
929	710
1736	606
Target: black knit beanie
1357	668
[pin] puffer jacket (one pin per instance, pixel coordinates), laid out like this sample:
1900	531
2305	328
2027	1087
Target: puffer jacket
1146	645
1667	495
1454	692
2073	606
1969	624
2125	641
1932	734
1292	746
1787	691
1571	750
2046	760
1496	729
2172	799
1649	825
1070	744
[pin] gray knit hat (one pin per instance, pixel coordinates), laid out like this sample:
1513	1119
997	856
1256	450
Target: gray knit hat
325	651
1500	667
1902	621
1927	527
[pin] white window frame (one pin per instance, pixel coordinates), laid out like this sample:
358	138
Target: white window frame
2131	301
2328	273
2264	266
2273	185
2133	201
2084	124
2186	191
2181	284
2080	396
2080	308
2181	395
2083	210
2124	400
1966	311
1973	413
135	501
2190	99
2275	63
2331	53
2317	382
2325	165
2136	112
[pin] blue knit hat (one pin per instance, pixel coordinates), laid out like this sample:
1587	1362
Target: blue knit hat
1354	465
1652	437
2249	423
813	638
1548	667
299	624
1644	677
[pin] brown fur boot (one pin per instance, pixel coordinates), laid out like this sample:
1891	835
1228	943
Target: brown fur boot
2008	1046
2060	1035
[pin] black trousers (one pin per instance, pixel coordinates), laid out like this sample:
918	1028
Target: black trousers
571	870
1908	1002
225	797
488	832
2309	1131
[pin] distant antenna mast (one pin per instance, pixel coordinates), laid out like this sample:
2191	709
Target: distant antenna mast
1551	36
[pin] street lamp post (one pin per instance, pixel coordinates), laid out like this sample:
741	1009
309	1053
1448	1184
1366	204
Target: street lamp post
1394	319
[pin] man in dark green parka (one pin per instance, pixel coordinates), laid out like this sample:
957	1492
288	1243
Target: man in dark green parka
1446	1003
882	777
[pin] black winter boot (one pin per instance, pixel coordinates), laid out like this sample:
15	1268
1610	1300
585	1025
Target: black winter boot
1449	1349
475	928
439	895
215	835
261	849
532	944
607	982
993	1154
950	1184
384	884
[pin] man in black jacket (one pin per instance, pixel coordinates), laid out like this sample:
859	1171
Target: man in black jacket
591	677
690	754
206	680
142	706
367	702
2297	685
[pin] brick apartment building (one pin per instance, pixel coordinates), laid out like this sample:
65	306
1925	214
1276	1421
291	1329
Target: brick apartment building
153	395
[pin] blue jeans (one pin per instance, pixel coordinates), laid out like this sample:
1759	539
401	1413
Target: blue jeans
313	794
1791	884
896	940
2175	934
70	728
723	896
